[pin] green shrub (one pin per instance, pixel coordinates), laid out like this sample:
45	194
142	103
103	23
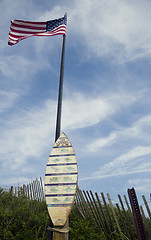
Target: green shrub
83	229
21	218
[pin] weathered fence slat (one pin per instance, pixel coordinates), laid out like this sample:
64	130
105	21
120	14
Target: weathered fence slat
128	207
146	205
107	211
114	215
42	190
128	225
98	213
85	205
39	190
101	209
92	211
146	223
79	204
122	220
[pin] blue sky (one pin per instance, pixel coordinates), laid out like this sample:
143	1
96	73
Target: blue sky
106	100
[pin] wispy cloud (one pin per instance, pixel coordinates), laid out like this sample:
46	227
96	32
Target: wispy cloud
19	67
11	181
115	29
26	134
101	143
141	185
138	130
126	164
136	159
7	99
82	111
134	153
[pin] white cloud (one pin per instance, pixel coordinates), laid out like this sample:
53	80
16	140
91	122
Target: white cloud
82	111
116	28
140	130
136	152
101	142
15	181
137	157
19	67
128	163
141	185
26	135
7	100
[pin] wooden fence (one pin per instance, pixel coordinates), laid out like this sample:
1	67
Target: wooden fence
111	218
125	216
33	190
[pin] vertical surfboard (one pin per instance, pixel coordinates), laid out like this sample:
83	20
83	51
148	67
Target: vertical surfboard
61	179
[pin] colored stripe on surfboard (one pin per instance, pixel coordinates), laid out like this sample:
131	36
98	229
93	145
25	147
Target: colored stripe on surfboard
62	146
60	184
59	205
61	164
62	155
56	174
60	195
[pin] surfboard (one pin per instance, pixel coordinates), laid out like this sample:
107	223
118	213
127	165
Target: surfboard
61	179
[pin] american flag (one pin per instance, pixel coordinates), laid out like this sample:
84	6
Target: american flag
20	30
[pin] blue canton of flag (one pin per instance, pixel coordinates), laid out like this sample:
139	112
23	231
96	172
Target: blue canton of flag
53	24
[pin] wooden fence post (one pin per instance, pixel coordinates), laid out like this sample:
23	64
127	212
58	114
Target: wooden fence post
98	213
146	205
122	220
146	223
11	190
127	218
128	207
114	215
42	190
87	210
92	211
79	204
101	209
107	211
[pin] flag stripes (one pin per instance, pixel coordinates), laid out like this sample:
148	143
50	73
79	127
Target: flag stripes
20	29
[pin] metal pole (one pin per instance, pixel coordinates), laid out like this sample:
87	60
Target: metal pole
58	122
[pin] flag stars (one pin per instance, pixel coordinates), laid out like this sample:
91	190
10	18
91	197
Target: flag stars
51	25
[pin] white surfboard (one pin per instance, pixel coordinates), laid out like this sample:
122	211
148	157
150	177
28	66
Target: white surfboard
61	180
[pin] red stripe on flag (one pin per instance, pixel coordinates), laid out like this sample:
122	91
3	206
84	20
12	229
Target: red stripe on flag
28	22
16	26
20	29
26	32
